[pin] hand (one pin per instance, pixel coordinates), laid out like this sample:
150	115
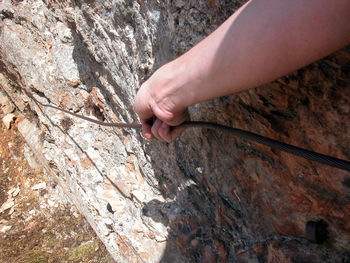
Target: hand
237	57
161	97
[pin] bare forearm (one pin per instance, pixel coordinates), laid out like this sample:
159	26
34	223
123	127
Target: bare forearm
262	41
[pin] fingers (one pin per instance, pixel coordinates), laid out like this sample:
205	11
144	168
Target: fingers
147	131
168	113
161	131
161	127
164	132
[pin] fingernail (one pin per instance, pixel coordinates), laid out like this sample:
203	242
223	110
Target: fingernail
147	135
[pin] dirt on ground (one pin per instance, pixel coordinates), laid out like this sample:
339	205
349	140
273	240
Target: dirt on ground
35	225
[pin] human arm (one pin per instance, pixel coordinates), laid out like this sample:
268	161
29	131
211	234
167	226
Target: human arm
263	40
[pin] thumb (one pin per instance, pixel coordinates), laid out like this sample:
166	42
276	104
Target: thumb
169	117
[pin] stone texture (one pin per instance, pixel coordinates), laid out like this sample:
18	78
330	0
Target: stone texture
206	197
8	120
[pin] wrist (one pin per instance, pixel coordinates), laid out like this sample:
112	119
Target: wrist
170	87
197	73
187	80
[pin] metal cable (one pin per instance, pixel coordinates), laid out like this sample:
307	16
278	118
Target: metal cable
310	155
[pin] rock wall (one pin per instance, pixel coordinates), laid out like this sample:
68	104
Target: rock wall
207	197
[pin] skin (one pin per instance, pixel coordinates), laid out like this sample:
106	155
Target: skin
260	42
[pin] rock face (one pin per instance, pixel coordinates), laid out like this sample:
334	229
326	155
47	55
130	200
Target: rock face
207	197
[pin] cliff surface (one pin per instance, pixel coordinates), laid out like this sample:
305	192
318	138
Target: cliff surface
208	196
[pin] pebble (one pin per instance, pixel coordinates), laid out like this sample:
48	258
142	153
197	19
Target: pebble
14	191
32	212
50	202
12	210
7	205
8	120
39	186
3	229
